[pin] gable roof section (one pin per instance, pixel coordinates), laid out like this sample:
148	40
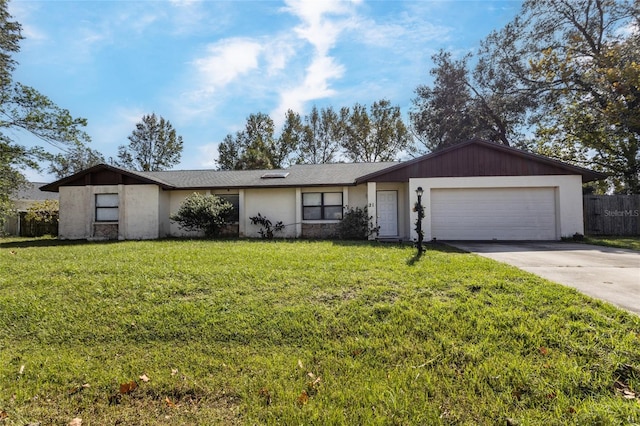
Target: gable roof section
339	174
478	158
104	174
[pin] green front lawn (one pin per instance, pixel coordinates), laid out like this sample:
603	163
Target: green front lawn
253	332
632	243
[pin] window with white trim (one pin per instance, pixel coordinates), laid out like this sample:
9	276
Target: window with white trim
322	206
107	208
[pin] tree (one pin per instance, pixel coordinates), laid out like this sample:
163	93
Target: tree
323	132
444	114
463	105
24	109
290	138
378	135
207	213
153	145
249	148
576	59
256	147
78	158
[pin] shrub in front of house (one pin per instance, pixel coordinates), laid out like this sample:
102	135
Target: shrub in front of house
267	228
207	213
356	224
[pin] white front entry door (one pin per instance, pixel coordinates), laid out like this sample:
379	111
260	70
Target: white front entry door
387	211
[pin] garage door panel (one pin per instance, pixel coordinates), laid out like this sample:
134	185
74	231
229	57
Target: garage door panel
493	213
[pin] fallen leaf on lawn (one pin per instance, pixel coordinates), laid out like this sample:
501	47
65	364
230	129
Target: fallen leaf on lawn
310	374
21	370
76	422
128	387
312	387
303	398
3	415
144	378
266	396
13	252
300	364
174	371
170	403
77	389
543	350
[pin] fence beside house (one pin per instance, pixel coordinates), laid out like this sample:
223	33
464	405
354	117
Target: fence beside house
32	228
611	214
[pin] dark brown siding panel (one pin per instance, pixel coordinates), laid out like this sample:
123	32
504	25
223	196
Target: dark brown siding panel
471	160
104	177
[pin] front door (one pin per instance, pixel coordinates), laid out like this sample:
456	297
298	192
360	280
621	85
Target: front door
387	211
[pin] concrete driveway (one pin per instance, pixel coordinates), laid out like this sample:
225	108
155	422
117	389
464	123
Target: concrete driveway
609	274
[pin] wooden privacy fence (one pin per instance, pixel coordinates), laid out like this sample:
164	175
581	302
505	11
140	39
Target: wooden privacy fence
611	214
31	228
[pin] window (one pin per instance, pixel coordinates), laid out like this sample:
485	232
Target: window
107	208
233	199
322	206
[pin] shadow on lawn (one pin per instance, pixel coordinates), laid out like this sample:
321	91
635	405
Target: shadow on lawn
432	246
45	242
53	242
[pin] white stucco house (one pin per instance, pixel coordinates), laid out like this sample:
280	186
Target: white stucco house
475	190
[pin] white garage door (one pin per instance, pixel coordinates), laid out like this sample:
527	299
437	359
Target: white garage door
493	214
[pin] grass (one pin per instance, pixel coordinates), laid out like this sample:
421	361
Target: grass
632	243
253	332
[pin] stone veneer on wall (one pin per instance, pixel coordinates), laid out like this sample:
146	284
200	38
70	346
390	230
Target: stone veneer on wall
105	231
319	230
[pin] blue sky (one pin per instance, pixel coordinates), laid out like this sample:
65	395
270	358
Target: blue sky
206	65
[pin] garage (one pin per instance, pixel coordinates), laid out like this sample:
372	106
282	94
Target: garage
494	213
481	190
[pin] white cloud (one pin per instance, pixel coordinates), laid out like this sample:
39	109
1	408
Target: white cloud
277	53
226	61
279	63
21	12
315	86
322	23
112	130
208	155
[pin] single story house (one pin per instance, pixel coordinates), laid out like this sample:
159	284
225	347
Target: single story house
475	190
